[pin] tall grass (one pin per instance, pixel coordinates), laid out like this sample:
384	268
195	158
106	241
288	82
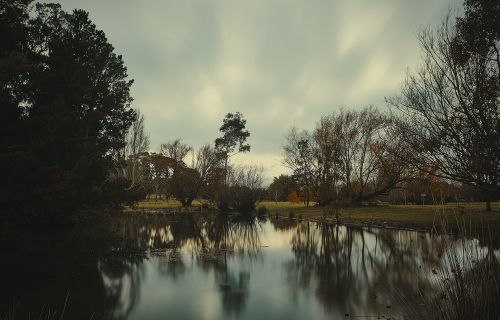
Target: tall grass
468	289
45	313
466	286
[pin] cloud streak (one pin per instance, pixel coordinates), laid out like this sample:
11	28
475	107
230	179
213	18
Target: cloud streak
281	63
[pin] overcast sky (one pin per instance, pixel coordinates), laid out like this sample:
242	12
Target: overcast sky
281	63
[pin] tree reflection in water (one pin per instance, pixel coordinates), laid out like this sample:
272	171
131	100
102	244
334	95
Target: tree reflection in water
346	270
79	267
352	269
121	279
225	238
211	241
220	235
108	285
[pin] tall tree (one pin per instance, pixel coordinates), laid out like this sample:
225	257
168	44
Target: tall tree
234	136
71	110
232	142
14	69
137	166
299	157
137	140
449	111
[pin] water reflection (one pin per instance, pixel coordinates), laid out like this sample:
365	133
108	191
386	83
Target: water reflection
121	278
219	235
234	290
362	272
43	270
211	242
185	266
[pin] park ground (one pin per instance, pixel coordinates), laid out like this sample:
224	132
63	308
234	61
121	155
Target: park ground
469	215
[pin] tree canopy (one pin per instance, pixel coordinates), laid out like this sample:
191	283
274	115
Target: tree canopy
65	98
234	134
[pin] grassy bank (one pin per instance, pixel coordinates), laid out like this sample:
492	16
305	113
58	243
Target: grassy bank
162	204
419	216
472	215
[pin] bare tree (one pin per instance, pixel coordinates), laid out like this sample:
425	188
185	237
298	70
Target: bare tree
208	162
137	146
137	138
328	153
190	182
365	167
244	185
448	112
349	156
177	150
246	176
298	155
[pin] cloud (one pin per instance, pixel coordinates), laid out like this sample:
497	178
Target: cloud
208	102
281	63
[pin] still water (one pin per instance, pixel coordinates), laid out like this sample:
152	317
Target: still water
182	267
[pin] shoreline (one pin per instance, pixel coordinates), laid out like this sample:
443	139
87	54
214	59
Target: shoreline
453	219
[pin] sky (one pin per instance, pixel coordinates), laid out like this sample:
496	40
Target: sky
281	63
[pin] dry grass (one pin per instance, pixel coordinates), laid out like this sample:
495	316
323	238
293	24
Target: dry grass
466	286
45	313
163	204
411	216
469	288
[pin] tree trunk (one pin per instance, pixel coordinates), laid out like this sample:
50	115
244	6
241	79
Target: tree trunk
487	198
225	168
488	205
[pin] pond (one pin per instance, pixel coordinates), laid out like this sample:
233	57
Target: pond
186	267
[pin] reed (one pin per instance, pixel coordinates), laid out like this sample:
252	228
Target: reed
466	286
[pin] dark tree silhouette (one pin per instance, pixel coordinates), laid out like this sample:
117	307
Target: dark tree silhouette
232	142
234	135
65	111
